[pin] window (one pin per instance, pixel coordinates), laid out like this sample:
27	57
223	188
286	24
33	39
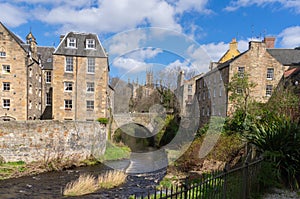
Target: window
190	88
220	91
91	65
6	86
68	104
203	111
48	77
269	89
2	52
214	92
90	87
90	104
69	64
90	43
270	73
5	68
239	90
6	103
208	111
48	99
68	86
221	76
241	71
71	42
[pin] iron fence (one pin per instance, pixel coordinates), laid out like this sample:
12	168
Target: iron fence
237	183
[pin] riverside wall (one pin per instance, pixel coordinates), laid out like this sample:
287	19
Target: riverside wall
39	140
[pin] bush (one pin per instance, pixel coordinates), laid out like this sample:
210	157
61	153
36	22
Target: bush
278	138
102	120
111	179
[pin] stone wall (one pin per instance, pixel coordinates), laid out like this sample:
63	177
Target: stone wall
36	140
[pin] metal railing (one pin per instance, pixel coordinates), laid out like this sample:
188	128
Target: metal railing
237	183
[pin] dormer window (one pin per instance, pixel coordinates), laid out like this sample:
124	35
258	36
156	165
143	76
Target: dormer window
90	44
71	42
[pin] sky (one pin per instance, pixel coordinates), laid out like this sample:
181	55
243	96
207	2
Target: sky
163	36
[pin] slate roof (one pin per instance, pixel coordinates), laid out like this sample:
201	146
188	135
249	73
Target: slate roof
46	57
80	49
287	57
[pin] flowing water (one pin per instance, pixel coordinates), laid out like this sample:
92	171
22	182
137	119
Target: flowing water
143	175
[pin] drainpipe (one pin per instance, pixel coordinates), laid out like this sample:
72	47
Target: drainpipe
76	85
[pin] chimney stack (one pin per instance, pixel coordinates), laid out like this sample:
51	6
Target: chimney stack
269	41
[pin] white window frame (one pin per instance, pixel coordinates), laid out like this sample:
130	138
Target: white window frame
69	65
91	65
48	99
48	76
90	44
6	86
6	69
68	86
270	73
2	54
239	90
68	104
90	87
6	103
269	89
90	105
71	42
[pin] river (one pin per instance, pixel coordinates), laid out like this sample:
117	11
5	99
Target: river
143	175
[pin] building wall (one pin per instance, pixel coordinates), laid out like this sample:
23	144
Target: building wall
256	62
36	140
16	57
79	94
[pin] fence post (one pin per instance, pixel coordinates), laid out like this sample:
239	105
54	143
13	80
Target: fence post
225	181
245	180
185	188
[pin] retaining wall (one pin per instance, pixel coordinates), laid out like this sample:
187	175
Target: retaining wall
36	140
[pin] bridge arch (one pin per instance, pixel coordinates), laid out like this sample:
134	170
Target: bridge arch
136	136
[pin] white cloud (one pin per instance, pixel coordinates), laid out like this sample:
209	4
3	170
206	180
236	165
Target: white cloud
12	16
197	5
125	42
102	16
289	4
143	54
199	57
217	50
130	65
290	37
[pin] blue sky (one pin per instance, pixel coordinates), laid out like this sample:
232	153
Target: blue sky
157	34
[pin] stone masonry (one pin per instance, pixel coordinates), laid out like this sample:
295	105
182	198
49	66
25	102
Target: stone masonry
36	140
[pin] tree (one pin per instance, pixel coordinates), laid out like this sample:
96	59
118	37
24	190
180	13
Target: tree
239	90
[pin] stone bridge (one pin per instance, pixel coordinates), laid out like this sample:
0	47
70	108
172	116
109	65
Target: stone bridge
153	122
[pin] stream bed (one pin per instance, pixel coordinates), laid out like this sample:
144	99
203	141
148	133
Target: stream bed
51	184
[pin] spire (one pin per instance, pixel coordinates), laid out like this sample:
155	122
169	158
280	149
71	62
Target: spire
30	39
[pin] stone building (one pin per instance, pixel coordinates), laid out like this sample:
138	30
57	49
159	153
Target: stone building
66	83
263	63
80	78
185	92
20	78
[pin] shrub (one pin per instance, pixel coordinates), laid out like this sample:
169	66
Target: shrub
278	138
85	184
102	120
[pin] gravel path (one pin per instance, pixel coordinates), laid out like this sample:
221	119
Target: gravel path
281	194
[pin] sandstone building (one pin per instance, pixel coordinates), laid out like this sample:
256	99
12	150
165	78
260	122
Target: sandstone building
66	83
265	66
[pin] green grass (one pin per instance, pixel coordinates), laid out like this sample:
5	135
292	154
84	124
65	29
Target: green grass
9	168
114	152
